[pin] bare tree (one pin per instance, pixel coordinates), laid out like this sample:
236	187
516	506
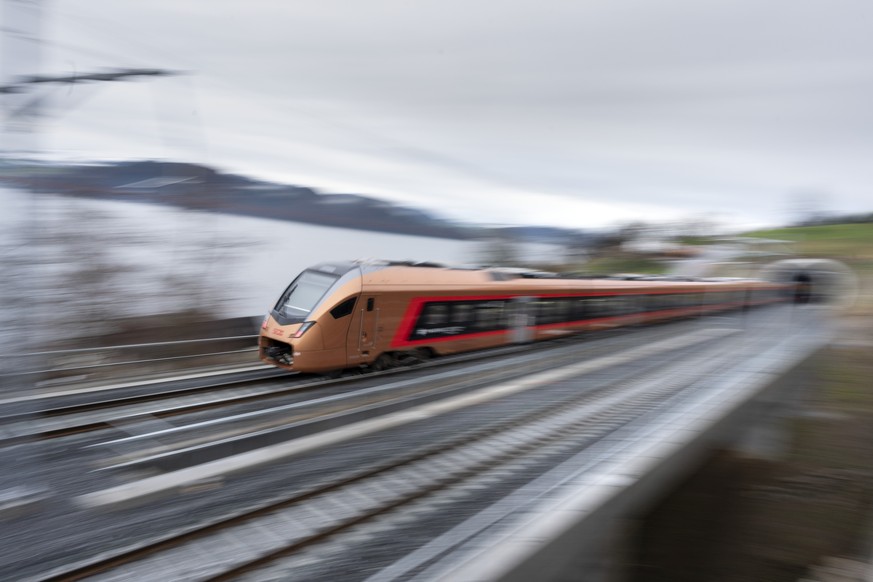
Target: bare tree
89	272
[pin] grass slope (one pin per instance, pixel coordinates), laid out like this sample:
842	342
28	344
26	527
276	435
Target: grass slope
850	243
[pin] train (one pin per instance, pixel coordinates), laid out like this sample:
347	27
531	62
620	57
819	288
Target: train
374	315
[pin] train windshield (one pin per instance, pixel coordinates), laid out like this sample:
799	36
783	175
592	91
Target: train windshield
303	294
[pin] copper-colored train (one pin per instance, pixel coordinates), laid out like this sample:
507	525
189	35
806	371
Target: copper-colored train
380	314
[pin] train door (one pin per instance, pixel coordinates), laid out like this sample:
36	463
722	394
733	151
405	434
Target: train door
522	319
368	325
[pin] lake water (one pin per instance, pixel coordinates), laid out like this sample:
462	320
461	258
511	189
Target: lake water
160	255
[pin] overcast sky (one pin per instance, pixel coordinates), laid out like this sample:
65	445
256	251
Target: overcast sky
571	113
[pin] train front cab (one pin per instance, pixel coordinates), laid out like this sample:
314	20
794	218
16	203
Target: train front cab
313	335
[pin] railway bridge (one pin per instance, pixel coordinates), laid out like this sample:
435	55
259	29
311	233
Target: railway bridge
585	519
521	464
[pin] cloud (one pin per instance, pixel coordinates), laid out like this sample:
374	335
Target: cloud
557	112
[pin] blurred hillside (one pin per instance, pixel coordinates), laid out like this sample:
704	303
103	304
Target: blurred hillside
200	187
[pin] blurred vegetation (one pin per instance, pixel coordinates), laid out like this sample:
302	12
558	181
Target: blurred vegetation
696	241
99	280
618	262
76	276
850	243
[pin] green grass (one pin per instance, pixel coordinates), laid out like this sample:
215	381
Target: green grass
696	241
850	243
857	233
624	264
847	380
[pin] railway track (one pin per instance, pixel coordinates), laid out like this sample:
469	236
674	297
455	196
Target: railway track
269	533
111	410
58	420
199	442
108	525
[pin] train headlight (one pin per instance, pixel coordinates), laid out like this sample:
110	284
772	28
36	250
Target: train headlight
303	328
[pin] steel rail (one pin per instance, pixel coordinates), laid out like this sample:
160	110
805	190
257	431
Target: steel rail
131	362
101	351
133	346
210	439
57	429
596	411
42	429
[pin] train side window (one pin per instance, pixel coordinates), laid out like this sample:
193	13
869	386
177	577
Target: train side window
488	315
556	310
344	308
370	303
462	313
564	310
596	307
507	315
551	311
619	305
544	311
579	310
481	317
435	314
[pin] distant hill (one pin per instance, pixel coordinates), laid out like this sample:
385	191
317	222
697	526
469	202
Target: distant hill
200	187
546	234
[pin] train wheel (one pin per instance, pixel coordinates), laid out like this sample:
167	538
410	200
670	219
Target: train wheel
383	362
413	357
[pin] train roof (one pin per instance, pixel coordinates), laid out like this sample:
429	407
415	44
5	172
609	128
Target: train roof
387	272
